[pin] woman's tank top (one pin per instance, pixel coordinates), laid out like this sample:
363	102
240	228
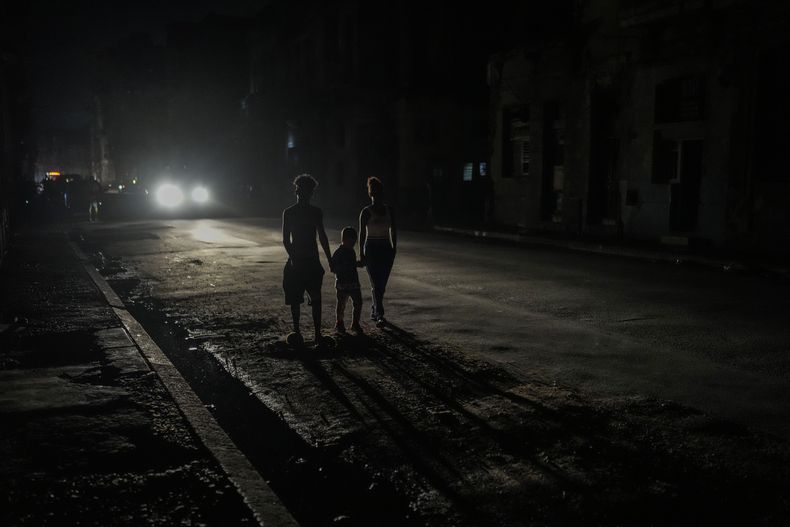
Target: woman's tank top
379	224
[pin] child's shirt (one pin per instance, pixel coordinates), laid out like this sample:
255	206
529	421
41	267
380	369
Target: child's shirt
344	262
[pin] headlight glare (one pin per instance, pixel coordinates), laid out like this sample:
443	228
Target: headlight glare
169	195
200	195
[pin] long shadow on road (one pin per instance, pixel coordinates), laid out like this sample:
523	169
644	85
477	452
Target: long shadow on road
316	487
499	450
436	438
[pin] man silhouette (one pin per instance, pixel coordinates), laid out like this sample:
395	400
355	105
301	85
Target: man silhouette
94	195
303	271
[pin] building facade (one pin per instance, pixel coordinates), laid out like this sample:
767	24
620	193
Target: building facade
7	185
348	90
16	153
63	151
648	120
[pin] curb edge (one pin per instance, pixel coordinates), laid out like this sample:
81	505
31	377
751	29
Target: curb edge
257	495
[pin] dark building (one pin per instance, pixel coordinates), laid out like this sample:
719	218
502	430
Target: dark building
64	151
172	110
6	154
129	112
653	120
348	90
102	167
15	151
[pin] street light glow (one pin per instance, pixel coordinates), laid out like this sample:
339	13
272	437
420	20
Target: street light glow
169	195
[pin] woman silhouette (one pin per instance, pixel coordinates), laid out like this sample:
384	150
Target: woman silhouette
378	243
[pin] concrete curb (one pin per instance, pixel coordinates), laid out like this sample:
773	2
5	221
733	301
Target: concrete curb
259	497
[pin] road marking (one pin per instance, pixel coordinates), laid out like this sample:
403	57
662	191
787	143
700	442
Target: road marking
259	497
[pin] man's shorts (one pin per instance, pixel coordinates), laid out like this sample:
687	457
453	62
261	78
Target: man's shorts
301	276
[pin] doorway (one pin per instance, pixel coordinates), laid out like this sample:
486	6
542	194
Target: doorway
603	194
685	189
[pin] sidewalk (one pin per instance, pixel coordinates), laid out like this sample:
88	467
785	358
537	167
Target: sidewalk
88	433
634	249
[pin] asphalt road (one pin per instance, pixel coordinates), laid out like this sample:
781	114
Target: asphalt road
714	340
486	318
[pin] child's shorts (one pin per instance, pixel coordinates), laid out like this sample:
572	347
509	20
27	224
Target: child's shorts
301	276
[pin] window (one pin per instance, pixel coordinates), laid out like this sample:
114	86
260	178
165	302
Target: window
522	148
291	141
519	130
515	142
291	132
526	157
671	158
483	169
469	170
680	99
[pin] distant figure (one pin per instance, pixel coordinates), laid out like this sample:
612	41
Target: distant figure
94	197
303	270
378	243
345	263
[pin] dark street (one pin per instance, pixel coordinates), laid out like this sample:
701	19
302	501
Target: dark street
382	263
490	346
606	325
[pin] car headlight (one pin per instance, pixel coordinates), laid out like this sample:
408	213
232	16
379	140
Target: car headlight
169	195
200	195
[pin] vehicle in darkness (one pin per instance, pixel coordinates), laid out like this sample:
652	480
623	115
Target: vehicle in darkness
157	197
178	196
174	195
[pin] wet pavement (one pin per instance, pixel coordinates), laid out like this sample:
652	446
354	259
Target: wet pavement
88	434
515	386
